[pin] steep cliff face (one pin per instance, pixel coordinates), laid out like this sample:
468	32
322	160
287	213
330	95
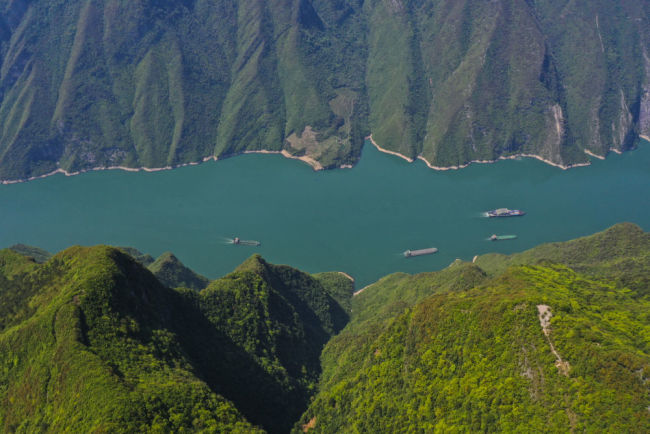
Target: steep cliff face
549	79
97	83
644	109
109	83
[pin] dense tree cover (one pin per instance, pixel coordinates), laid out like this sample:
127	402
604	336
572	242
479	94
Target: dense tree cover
91	354
143	258
87	84
620	253
419	355
37	253
16	287
338	285
92	341
171	272
479	361
281	318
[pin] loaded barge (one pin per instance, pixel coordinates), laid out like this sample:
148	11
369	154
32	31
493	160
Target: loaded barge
239	242
410	253
505	212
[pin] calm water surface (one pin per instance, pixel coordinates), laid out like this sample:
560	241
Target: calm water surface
357	220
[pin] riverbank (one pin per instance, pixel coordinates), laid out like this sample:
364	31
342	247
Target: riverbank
462	166
351	221
344	274
508	157
310	161
386	151
591	154
97	169
314	164
305	159
361	290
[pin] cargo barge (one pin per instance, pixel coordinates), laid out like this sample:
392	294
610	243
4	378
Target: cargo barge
505	212
240	242
411	253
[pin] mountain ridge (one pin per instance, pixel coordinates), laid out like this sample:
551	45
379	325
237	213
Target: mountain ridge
554	338
140	356
528	344
101	84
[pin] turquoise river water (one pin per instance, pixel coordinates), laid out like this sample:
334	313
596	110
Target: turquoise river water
356	220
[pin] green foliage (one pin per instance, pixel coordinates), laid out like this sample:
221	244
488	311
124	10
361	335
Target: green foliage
338	286
171	272
92	353
620	253
399	291
282	318
143	258
478	360
464	350
92	341
38	254
155	84
16	287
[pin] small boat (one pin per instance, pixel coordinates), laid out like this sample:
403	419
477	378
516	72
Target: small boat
496	237
241	242
411	253
505	212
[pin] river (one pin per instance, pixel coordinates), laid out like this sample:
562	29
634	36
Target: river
357	220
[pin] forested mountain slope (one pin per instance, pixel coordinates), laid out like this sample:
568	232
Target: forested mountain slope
92	341
553	339
172	273
538	347
101	83
169	270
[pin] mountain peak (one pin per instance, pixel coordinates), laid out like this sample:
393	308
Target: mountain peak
171	272
254	263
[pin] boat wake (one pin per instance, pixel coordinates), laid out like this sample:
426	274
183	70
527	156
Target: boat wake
501	237
239	242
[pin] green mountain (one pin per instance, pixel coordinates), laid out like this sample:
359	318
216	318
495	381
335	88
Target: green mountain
554	339
531	345
39	255
620	254
92	341
143	258
101	83
172	273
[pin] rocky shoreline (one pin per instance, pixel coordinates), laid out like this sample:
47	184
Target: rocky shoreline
313	163
462	166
